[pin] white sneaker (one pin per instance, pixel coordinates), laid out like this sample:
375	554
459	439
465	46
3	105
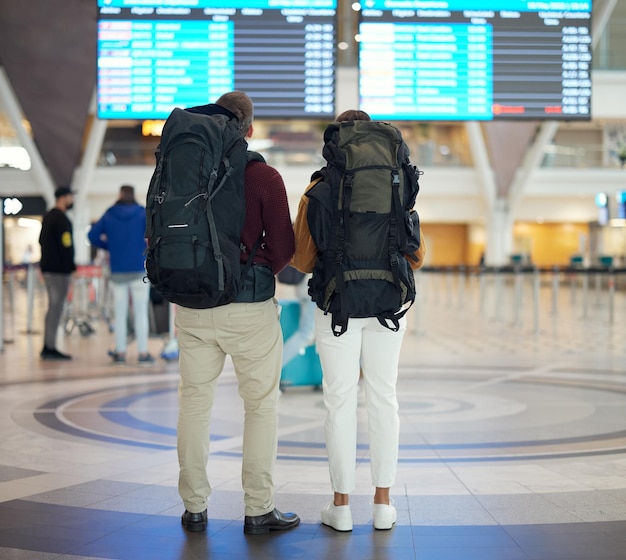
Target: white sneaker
337	517
384	516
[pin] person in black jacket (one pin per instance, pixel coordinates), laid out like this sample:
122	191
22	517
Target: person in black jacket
57	265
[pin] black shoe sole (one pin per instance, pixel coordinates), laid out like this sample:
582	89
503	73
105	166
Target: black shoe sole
194	527
264	529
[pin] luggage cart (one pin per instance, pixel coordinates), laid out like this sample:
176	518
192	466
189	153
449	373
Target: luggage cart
82	302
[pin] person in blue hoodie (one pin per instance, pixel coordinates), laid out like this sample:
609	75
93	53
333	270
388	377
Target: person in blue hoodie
120	231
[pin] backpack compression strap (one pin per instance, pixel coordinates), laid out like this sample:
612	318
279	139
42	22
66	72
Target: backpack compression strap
217	251
392	321
252	156
393	225
340	318
158	197
211	192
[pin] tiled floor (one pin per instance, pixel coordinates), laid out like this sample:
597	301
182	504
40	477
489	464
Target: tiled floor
513	442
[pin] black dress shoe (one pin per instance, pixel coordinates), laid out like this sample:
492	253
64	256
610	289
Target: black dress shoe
272	521
194	522
53	354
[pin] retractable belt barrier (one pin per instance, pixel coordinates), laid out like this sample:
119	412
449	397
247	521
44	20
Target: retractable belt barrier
504	289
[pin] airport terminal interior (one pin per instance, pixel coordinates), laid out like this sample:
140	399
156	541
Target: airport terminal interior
512	444
512	382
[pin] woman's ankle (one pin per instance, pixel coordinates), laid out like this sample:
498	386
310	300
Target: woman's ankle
341	499
381	496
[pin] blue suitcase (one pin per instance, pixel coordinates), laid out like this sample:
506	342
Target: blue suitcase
304	369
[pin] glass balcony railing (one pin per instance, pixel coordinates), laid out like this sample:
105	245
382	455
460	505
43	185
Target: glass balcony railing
610	53
581	156
299	149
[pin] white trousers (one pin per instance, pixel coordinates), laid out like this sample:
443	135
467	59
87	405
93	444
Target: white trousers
369	346
139	292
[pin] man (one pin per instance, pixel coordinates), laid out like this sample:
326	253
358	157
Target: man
249	331
120	231
57	265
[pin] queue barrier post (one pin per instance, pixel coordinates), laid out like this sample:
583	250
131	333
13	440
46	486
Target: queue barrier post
30	297
585	295
611	289
536	294
556	284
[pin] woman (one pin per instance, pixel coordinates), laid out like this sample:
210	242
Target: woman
374	348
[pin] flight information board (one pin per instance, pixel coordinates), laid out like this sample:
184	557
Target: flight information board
475	59
154	55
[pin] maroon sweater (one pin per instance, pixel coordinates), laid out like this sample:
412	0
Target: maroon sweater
267	210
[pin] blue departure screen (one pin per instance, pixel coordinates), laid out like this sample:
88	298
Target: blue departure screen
475	59
156	55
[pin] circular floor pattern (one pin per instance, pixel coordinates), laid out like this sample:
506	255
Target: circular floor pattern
442	420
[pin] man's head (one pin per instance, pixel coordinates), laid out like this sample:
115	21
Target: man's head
353	115
64	198
127	193
238	103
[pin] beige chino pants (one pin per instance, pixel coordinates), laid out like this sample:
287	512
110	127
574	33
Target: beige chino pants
250	333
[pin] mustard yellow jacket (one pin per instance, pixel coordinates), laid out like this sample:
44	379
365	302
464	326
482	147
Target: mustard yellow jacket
306	251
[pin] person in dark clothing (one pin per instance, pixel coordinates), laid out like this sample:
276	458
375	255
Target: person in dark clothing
249	331
120	231
57	265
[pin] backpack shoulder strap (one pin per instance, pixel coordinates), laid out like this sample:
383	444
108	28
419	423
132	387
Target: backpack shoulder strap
255	156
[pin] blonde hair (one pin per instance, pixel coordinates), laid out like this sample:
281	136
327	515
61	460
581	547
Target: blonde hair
238	103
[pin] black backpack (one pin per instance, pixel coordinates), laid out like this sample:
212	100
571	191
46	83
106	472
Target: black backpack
362	221
195	210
